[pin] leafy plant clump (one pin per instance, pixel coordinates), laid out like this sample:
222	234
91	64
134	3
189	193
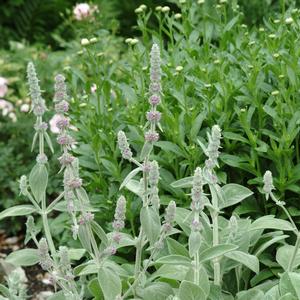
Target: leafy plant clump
180	253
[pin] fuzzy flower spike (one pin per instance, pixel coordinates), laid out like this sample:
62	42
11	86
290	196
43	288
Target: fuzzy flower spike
38	108
153	116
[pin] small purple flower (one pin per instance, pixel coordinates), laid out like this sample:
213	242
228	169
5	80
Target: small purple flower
70	206
39	109
153	116
196	225
62	107
66	159
151	136
62	123
41	127
118	225
155	88
88	216
116	237
154	100
146	167
65	140
74	183
41	158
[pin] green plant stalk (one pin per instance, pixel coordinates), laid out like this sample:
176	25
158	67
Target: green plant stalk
197	266
292	260
215	224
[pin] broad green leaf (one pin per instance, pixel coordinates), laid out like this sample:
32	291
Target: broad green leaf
250	261
176	272
191	291
57	296
215	252
100	233
174	260
194	243
110	283
76	254
267	244
157	291
150	222
233	194
38	180
23	257
253	294
175	247
134	186
20	210
186	182
87	270
84	237
146	150
170	147
269	222
130	176
290	283
288	296
95	289
4	291
284	254
235	137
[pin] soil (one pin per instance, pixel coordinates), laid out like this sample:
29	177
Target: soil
37	279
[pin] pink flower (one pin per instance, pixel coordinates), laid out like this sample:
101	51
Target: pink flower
93	88
3	86
6	107
82	11
53	122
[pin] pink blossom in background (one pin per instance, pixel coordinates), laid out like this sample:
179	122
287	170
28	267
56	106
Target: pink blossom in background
82	11
53	121
12	116
6	107
3	86
93	88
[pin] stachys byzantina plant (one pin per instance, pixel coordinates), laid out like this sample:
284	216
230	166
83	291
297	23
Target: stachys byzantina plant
186	253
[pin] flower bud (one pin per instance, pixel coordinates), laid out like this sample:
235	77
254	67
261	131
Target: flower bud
268	183
23	185
124	146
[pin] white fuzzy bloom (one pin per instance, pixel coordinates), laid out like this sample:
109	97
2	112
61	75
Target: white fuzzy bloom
25	107
6	107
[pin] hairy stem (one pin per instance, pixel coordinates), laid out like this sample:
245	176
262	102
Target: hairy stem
292	260
197	266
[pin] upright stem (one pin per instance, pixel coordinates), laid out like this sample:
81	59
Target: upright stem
215	224
197	266
296	247
48	235
138	255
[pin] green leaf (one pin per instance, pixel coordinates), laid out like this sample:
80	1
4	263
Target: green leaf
175	247
233	194
186	182
95	289
134	186
23	257
157	291
170	147
269	222
288	296
76	254
290	283
235	137
250	261
191	291
174	260
253	294
84	237
99	232
110	283
176	272
267	244
150	222
38	180
194	243
130	176
284	254
146	150
20	210
216	251
57	296
86	270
